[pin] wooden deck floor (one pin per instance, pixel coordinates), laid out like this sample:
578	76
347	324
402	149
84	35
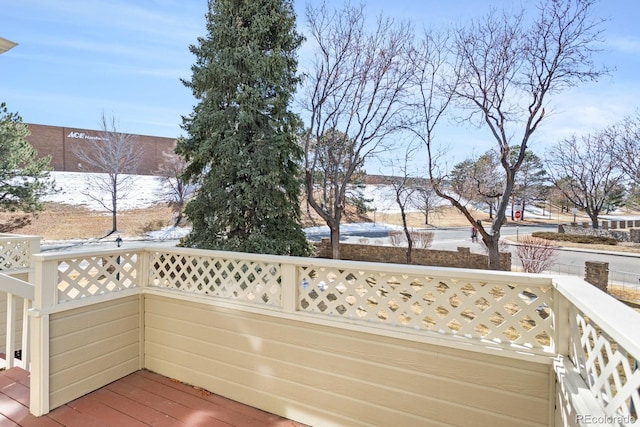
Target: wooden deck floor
140	399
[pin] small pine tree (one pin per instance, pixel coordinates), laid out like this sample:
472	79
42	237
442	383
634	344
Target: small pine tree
24	178
242	146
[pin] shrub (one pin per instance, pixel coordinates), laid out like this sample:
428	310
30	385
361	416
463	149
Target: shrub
536	254
397	238
154	225
575	238
421	239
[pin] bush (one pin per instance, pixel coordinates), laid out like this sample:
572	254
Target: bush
154	225
397	238
536	254
575	238
421	239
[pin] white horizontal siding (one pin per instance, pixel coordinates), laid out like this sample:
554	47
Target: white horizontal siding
326	376
93	346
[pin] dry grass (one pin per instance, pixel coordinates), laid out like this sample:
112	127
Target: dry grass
66	222
630	294
447	216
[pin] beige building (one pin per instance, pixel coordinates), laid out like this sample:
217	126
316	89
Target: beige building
61	142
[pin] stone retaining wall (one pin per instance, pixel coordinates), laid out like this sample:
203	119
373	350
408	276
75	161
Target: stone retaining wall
619	235
462	258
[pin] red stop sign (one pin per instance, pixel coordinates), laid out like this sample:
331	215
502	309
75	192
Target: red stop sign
518	215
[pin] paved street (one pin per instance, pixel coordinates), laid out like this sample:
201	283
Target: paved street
624	267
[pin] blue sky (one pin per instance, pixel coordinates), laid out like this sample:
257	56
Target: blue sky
77	58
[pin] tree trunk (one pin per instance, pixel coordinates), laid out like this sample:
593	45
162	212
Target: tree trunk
114	204
335	241
493	249
594	218
403	214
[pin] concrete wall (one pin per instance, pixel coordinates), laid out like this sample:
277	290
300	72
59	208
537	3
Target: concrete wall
462	258
60	143
326	376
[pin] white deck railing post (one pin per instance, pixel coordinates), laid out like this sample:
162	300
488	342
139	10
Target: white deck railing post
144	257
26	345
46	278
289	288
10	332
562	325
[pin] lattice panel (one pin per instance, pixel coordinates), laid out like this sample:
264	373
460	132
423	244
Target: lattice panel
610	371
95	275
240	280
496	313
14	254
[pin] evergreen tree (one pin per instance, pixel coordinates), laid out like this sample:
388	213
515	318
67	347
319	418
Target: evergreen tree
24	178
242	146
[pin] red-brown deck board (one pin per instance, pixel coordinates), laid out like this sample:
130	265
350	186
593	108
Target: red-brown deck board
140	399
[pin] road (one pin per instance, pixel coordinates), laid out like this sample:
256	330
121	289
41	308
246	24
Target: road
624	267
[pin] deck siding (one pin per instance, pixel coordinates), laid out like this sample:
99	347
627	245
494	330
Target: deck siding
333	377
93	346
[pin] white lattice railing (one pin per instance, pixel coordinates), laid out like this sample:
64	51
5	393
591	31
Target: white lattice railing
530	314
497	308
16	251
238	277
75	276
16	258
604	349
84	276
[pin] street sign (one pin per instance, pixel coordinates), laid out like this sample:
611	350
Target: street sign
518	215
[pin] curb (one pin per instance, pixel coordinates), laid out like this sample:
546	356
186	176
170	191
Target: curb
593	251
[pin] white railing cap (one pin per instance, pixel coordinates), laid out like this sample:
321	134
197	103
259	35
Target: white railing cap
17	287
618	320
457	273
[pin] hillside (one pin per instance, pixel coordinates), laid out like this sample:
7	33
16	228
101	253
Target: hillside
70	214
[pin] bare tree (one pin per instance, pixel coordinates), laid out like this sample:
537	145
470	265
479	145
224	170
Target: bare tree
175	189
531	184
353	95
478	180
404	193
628	146
504	69
111	157
587	170
426	200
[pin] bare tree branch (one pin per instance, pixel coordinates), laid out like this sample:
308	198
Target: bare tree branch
504	71
112	158
353	95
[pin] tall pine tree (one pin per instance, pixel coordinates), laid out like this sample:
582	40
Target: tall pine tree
24	178
242	147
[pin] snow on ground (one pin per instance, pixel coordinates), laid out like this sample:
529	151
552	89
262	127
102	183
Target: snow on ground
72	190
355	228
148	191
